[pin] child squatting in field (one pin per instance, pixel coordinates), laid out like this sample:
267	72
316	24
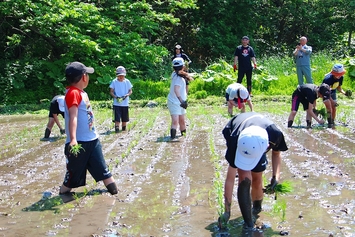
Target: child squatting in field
249	136
307	95
56	107
236	96
80	130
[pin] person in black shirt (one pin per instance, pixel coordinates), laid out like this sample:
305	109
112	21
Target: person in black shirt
242	56
307	94
249	137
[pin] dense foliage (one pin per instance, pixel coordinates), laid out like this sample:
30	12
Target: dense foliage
39	37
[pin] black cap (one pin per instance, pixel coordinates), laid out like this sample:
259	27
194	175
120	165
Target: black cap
324	90
76	69
245	37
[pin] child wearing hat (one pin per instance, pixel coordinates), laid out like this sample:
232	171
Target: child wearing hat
56	107
236	96
249	136
307	94
82	135
120	90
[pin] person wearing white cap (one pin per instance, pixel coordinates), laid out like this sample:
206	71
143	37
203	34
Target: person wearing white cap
236	96
249	137
335	81
56	108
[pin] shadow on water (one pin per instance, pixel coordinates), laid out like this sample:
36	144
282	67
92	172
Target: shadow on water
235	229
52	139
48	203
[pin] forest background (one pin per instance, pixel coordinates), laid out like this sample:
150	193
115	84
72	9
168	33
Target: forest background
38	38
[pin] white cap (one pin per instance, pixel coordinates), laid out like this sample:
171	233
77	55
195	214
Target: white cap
60	101
177	62
243	93
120	71
252	143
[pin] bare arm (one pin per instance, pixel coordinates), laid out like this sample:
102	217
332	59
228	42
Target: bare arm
250	105
177	92
73	124
312	114
56	120
112	93
236	61
253	59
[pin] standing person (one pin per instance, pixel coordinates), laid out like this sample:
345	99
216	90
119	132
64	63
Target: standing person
307	94
56	107
242	56
179	53
249	137
236	96
177	99
120	90
335	80
81	133
302	54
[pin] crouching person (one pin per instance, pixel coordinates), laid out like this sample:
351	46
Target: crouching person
249	137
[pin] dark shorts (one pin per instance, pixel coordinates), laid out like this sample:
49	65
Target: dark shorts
297	100
333	95
54	109
234	99
90	158
121	113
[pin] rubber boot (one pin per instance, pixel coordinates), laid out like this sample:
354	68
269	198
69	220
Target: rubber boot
309	124
257	206
289	123
117	129
112	188
183	132
123	128
172	133
47	133
330	122
244	200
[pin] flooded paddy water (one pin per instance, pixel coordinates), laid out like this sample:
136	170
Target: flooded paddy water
171	188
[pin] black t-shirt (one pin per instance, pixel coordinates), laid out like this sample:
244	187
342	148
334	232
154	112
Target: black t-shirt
244	56
238	123
308	92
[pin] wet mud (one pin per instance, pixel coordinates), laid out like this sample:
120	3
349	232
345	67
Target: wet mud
169	188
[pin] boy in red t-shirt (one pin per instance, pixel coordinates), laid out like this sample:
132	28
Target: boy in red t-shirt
80	130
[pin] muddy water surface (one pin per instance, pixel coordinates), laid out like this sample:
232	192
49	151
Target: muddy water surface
168	188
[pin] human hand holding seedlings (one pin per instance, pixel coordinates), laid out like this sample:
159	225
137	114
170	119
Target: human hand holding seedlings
75	149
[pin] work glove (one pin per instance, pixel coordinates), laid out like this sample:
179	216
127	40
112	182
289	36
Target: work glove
124	97
62	131
270	188
235	67
255	67
183	104
348	93
223	219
